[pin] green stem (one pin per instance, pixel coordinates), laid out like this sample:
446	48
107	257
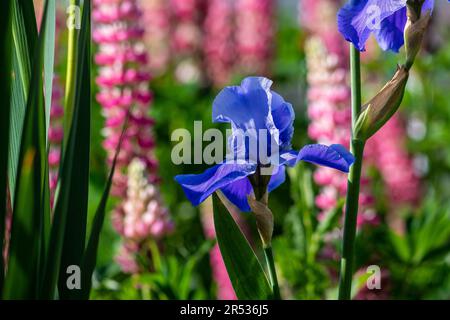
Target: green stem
272	272
71	75
354	177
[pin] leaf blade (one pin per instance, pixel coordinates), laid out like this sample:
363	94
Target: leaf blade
244	269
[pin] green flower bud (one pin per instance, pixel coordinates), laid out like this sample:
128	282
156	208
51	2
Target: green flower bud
382	107
264	220
415	28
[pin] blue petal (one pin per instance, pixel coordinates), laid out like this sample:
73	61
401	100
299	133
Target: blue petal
390	35
358	18
283	116
278	177
334	156
238	191
247	106
198	187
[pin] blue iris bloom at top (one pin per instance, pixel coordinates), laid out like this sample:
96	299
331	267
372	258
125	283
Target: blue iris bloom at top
386	19
252	108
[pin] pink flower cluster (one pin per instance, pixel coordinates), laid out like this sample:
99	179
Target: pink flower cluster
156	18
328	102
254	34
218	41
123	82
140	217
124	95
395	164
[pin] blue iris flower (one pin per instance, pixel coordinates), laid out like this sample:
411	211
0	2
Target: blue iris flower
250	108
386	19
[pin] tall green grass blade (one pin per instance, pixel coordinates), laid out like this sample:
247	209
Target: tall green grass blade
90	255
246	273
22	277
68	231
24	32
72	71
5	93
49	59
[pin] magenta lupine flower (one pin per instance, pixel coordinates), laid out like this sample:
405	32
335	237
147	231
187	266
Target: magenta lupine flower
254	34
123	81
329	100
395	165
218	41
156	17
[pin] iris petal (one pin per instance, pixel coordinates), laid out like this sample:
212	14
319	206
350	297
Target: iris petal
334	156
198	187
238	191
358	18
390	35
246	106
283	116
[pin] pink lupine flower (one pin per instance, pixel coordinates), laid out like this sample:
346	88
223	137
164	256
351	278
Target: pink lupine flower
156	17
218	41
395	165
123	81
254	34
186	38
142	214
140	217
329	100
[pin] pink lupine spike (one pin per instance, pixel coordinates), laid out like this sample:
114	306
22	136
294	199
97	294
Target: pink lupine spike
123	80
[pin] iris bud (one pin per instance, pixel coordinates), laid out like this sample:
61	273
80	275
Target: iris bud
382	107
415	28
264	220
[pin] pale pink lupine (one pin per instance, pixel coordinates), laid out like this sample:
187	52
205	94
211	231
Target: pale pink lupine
254	34
140	217
329	101
218	41
156	18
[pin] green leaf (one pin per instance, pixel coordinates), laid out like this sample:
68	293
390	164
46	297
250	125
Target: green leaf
246	273
76	215
24	32
90	255
49	60
5	92
22	277
67	235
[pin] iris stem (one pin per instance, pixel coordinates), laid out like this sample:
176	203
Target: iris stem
268	254
353	184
